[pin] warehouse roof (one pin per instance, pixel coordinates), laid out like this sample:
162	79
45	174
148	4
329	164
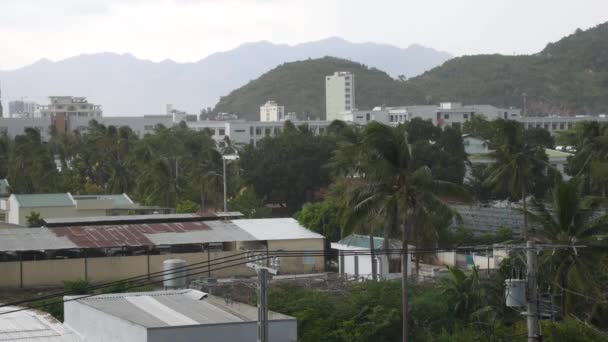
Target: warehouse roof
173	308
44	200
146	233
33	326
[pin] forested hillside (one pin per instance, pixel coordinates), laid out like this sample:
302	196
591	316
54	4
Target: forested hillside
567	77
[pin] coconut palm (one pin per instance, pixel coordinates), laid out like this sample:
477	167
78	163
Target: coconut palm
393	190
514	164
462	291
590	163
571	220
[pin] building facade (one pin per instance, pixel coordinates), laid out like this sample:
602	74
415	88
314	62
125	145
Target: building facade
23	109
339	95
272	112
63	109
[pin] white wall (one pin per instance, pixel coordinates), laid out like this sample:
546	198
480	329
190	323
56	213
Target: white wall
97	326
278	331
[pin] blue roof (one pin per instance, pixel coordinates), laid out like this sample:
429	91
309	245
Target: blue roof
44	200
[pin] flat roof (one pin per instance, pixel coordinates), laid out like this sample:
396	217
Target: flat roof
33	326
173	308
118	199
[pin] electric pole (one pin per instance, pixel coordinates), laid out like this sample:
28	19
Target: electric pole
531	302
262	272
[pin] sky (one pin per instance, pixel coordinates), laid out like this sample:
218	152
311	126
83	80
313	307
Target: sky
189	30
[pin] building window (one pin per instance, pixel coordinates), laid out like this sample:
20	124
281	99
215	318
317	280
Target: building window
239	131
367	117
561	125
222	131
347	96
391	118
569	125
258	131
347	84
267	131
251	142
347	107
446	116
148	127
465	116
308	259
546	126
554	126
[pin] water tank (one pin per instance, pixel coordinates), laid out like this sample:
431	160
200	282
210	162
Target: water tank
175	274
515	292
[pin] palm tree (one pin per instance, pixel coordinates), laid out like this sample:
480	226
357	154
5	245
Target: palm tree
571	220
590	163
462	292
394	190
514	163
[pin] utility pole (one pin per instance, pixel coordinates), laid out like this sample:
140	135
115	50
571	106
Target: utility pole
531	302
262	272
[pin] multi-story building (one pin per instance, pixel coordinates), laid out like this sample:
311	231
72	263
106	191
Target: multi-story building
23	109
555	124
271	111
339	95
63	109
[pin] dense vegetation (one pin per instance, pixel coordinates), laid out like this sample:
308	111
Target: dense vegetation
567	77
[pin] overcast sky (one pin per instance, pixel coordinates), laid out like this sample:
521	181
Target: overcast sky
188	30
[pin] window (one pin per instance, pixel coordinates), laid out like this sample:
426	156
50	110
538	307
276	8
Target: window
546	126
239	131
258	131
367	117
149	127
347	107
446	116
347	84
308	259
553	126
222	131
569	125
561	125
391	118
267	131
465	116
347	96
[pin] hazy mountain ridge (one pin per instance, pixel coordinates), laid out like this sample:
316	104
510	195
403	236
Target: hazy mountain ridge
126	85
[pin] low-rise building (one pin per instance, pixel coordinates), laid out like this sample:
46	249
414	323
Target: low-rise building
170	316
102	249
18	207
355	260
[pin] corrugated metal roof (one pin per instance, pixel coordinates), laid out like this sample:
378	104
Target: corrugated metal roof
133	235
173	308
276	229
32	239
44	200
220	231
58	221
33	326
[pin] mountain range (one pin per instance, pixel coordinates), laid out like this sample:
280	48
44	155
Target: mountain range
126	85
568	77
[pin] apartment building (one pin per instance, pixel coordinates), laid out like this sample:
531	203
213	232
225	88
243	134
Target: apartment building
271	111
339	95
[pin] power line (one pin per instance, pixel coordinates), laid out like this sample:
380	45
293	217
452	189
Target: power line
264	255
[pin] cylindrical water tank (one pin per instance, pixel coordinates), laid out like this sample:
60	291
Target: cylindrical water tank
175	274
515	292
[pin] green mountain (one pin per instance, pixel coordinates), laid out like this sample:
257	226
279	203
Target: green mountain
567	77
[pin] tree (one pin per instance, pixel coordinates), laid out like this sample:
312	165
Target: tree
539	137
514	163
478	126
393	190
463	292
590	163
572	220
186	207
249	204
34	219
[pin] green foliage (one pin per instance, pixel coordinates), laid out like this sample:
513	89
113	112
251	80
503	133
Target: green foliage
186	207
249	204
288	168
321	217
34	219
77	287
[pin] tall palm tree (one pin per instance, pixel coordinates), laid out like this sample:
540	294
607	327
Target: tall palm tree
571	220
514	163
590	163
462	291
395	191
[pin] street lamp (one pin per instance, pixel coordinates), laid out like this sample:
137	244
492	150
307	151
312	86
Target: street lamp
224	159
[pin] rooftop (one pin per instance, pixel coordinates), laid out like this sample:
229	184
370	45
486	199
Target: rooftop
76	233
33	326
362	241
44	200
118	200
174	308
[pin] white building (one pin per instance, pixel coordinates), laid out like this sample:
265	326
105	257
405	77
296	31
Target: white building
23	109
339	95
63	109
358	262
272	112
170	316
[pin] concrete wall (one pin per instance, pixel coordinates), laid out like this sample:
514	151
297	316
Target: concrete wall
296	264
278	331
